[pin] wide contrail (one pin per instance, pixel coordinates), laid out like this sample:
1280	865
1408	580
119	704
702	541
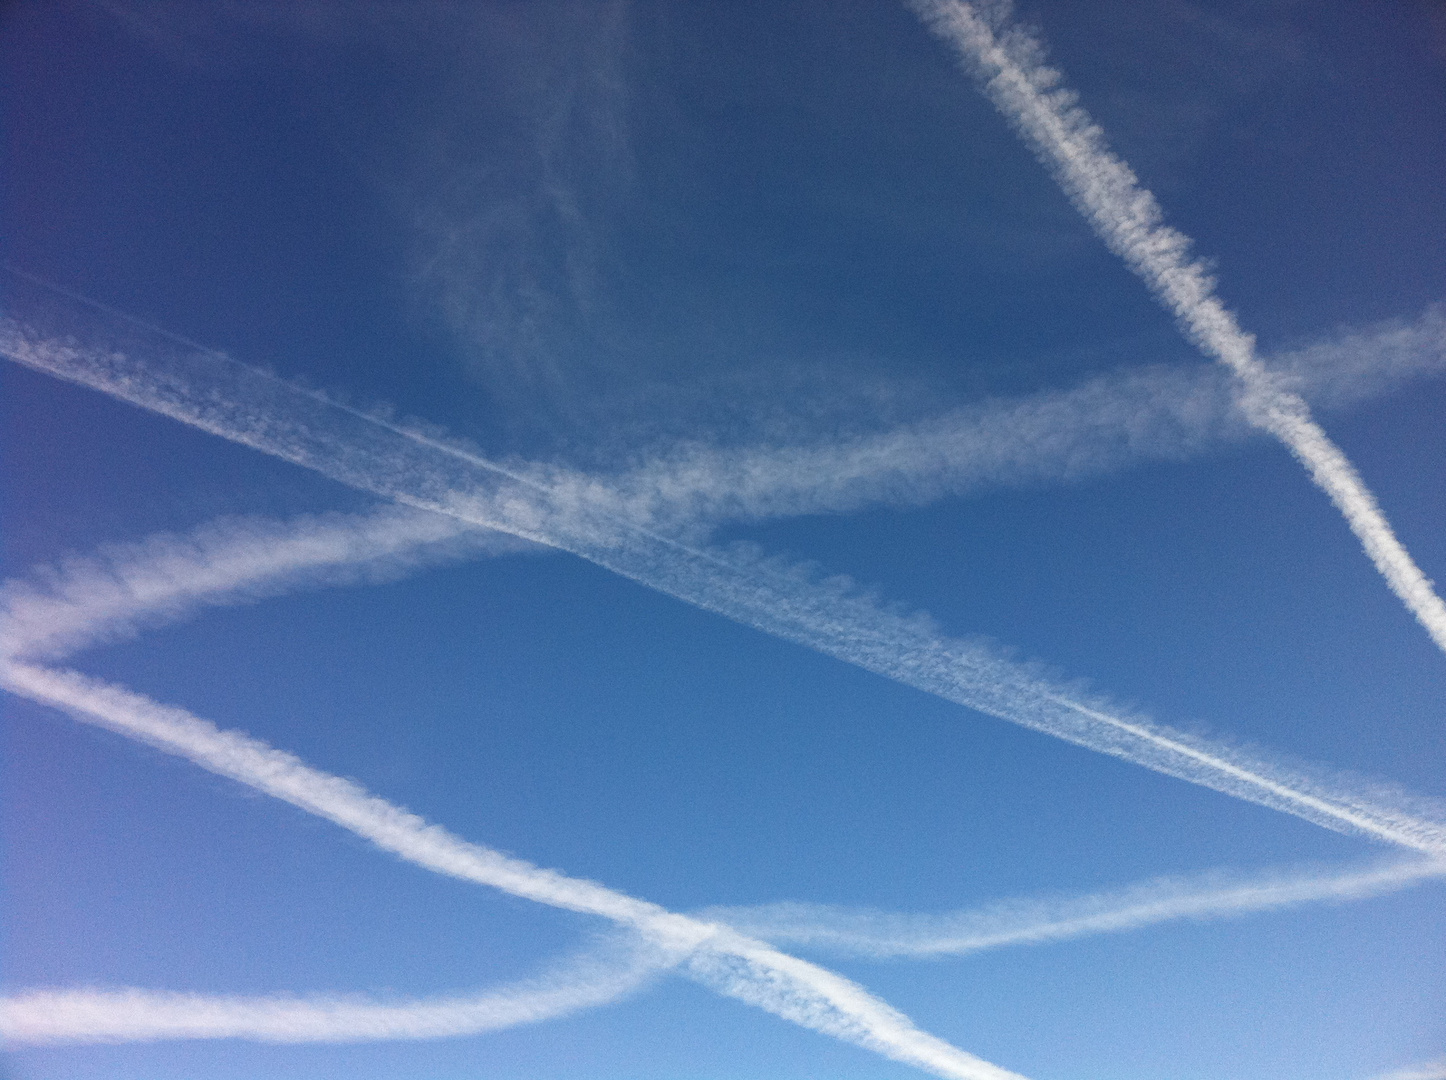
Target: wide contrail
1107	422
38	1017
219	395
1008	63
56	610
713	953
1036	921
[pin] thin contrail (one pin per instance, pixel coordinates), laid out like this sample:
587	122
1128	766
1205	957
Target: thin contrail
1008	63
39	1017
1035	921
219	395
716	955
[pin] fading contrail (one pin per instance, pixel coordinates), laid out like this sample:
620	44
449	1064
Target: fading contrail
714	954
1009	65
38	1017
1426	1070
219	395
1036	921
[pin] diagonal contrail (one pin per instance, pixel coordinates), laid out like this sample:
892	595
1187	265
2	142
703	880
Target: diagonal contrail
56	610
1008	63
716	955
221	396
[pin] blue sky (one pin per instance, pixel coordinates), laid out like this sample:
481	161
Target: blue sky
772	275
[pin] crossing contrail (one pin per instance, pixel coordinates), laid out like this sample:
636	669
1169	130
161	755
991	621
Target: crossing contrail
1009	65
59	609
219	395
711	952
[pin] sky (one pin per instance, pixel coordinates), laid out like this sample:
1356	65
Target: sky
838	590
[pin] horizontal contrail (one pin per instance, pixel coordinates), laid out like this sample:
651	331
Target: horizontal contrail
219	395
56	610
1105	423
718	956
38	1017
1426	1070
1008	63
1034	921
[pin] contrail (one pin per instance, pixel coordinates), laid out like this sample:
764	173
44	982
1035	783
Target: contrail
1035	921
718	956
1426	1070
1009	65
219	395
57	610
39	1017
162	577
1104	423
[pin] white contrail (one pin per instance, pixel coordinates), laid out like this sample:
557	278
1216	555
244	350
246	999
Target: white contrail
756	972
1426	1070
1033	921
229	399
1009	65
38	1017
56	610
1104	423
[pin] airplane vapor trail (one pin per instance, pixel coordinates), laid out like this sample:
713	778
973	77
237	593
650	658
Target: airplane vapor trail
39	1017
57	610
1008	63
219	395
721	958
1035	921
1104	423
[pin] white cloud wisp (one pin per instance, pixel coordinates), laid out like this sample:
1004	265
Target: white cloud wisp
1008	63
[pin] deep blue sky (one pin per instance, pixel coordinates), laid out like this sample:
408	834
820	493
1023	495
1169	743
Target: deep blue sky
579	233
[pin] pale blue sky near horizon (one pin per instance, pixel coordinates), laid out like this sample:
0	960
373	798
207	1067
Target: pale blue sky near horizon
583	233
